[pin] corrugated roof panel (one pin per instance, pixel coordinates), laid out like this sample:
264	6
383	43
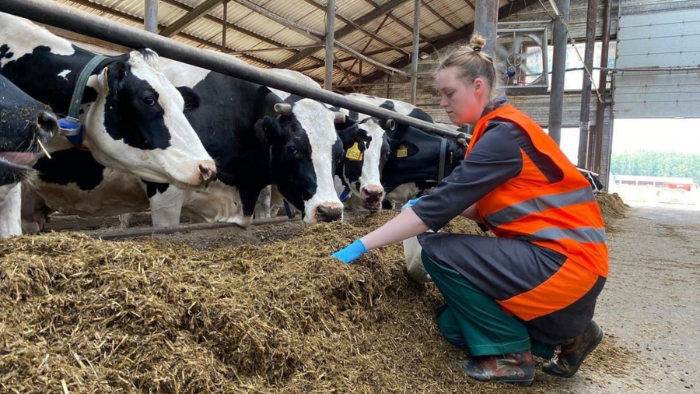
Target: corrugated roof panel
352	9
451	10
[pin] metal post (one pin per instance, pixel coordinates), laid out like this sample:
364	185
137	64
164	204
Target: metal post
150	20
224	27
485	24
559	41
602	82
360	80
414	59
330	30
584	124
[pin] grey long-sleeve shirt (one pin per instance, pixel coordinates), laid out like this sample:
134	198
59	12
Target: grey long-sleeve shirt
494	160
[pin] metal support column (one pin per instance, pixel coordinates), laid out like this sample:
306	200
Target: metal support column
224	27
602	83
150	19
584	125
414	59
485	24
330	30
559	41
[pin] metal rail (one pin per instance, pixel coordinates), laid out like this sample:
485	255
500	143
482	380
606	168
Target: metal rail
72	19
182	228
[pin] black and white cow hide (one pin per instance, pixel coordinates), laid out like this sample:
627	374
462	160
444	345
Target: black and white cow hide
257	140
133	116
24	124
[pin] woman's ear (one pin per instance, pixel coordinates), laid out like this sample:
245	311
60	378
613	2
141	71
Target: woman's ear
478	85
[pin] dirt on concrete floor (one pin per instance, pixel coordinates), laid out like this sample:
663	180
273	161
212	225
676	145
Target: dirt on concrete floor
649	309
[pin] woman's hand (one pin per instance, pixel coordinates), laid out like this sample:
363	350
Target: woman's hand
351	253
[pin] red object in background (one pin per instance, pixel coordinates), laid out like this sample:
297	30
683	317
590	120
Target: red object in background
685	187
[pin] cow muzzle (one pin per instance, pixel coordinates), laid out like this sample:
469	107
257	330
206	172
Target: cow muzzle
372	196
329	212
46	124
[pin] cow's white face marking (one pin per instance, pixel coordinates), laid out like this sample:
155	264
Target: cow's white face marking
25	37
372	156
178	163
319	124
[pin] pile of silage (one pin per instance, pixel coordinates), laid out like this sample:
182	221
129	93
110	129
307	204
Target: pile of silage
611	206
84	316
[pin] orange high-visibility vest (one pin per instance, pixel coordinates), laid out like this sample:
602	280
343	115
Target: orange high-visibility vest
563	216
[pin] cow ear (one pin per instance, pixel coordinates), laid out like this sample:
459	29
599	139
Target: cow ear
354	134
113	77
268	131
191	98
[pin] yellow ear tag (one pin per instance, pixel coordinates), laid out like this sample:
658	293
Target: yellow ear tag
354	153
106	81
402	151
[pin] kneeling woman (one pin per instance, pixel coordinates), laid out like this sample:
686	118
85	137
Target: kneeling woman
534	286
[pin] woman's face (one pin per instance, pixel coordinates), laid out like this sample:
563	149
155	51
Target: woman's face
464	102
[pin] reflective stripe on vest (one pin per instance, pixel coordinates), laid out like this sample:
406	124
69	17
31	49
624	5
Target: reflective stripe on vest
539	204
586	235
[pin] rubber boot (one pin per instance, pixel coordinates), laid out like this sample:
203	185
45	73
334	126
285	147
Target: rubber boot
513	368
573	353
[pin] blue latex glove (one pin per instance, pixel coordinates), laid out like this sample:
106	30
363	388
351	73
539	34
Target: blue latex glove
410	203
351	253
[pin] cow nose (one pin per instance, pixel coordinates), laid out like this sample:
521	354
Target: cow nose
206	174
373	193
329	213
47	124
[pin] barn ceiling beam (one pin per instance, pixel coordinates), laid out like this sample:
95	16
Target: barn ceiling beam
370	16
303	30
241	30
470	4
399	21
366	32
190	17
450	38
365	49
440	16
318	37
132	18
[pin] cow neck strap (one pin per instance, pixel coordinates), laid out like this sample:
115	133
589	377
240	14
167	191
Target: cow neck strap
443	154
77	98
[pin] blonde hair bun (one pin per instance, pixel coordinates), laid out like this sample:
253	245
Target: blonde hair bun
477	42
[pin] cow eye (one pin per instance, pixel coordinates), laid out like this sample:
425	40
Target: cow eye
148	101
291	150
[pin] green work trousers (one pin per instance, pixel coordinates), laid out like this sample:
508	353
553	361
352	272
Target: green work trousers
475	322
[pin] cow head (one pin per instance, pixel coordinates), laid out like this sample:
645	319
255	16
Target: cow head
304	152
24	123
415	158
366	152
137	125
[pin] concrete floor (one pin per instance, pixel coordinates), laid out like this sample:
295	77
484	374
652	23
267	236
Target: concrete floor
650	307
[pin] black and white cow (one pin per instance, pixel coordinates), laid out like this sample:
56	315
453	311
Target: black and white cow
413	166
256	138
132	115
24	124
365	151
